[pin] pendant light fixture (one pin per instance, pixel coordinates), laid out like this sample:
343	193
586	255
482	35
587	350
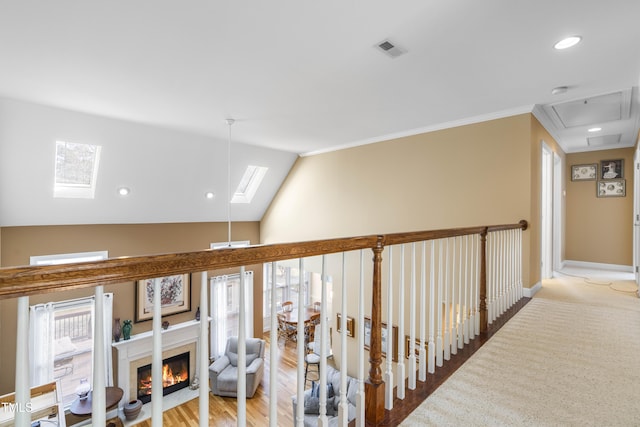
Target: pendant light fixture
229	123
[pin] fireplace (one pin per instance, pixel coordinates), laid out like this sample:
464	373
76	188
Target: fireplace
175	376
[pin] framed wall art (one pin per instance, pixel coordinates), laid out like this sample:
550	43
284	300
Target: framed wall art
416	346
350	324
612	188
175	296
584	172
367	338
612	169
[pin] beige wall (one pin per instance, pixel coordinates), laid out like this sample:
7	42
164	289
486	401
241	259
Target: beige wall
19	243
470	175
599	230
484	173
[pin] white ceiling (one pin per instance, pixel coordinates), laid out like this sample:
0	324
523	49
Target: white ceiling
304	77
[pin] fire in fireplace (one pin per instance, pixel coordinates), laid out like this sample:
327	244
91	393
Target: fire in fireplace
175	376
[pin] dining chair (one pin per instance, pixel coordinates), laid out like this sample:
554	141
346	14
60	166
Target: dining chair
285	329
287	306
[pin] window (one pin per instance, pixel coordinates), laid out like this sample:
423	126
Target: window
61	341
76	170
61	335
249	184
225	304
287	289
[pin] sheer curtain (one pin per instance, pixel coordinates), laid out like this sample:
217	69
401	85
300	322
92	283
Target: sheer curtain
41	343
42	338
224	310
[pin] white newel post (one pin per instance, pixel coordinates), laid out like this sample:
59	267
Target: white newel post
447	306
299	421
99	396
412	320
401	366
388	378
242	354
203	360
438	299
343	411
422	354
360	400
323	421
273	353
23	391
156	364
431	350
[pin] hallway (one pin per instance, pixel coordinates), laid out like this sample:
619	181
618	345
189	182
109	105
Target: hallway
569	357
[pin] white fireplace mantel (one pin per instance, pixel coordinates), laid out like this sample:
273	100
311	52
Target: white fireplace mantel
141	345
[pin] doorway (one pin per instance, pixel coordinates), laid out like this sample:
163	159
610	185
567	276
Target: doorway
546	214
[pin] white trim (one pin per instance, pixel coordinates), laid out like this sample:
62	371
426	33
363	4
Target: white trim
599	266
68	258
426	129
530	292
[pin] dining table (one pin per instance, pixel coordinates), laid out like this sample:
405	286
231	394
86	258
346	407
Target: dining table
292	318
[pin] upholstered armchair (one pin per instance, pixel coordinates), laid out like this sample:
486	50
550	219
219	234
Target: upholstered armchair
223	373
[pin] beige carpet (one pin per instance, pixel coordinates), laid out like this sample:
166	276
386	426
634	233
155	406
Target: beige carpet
571	357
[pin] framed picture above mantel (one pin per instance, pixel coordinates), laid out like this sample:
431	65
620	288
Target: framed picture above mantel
175	296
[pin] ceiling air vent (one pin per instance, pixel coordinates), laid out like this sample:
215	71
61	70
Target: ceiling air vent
598	141
390	49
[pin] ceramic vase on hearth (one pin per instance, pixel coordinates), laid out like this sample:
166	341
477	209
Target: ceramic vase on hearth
117	331
132	409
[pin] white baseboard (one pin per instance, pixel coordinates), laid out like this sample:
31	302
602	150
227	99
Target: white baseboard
598	266
530	292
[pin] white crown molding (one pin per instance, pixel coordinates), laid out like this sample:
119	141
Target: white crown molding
432	128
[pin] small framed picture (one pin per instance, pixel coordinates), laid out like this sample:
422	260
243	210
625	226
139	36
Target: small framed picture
175	296
612	188
367	338
612	169
416	346
584	172
350	324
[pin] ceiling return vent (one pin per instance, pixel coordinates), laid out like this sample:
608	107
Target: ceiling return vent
390	49
599	141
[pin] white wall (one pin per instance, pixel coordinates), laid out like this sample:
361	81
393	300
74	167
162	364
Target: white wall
168	171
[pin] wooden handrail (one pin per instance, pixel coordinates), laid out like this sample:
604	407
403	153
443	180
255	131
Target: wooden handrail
33	280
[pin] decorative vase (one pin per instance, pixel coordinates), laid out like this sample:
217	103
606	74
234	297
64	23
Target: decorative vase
198	313
132	409
117	331
126	329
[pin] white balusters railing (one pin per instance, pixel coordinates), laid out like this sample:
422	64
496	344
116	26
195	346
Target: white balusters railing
450	313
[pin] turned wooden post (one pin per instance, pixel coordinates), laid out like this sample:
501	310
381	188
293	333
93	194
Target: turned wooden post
484	320
374	386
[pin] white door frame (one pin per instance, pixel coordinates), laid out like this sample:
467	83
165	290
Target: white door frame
636	216
558	211
546	213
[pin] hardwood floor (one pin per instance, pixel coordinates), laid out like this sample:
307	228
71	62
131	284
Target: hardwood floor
222	410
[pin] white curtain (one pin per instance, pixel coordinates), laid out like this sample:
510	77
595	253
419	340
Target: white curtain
220	327
108	334
41	343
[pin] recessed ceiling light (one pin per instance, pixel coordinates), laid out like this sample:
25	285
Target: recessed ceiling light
209	194
558	90
124	191
568	42
595	129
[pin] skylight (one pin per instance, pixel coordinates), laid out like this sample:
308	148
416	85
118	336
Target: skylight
249	184
76	170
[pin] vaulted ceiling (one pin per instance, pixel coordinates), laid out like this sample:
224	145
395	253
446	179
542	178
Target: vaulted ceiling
306	77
